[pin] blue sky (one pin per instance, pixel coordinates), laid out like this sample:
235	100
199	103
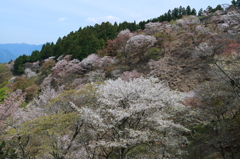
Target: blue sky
41	21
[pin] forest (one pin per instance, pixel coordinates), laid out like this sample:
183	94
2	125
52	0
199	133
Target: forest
164	88
89	39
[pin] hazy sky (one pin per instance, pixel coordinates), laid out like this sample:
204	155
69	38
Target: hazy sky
41	21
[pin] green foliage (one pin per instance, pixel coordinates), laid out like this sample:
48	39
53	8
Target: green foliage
233	2
18	64
200	131
154	53
32	92
188	10
3	68
3	84
36	55
238	3
5	74
173	22
83	97
140	150
212	10
3	92
24	104
55	123
219	7
193	12
47	67
200	12
46	130
47	51
22	83
7	152
89	39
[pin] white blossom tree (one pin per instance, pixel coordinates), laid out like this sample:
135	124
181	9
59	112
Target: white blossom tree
134	115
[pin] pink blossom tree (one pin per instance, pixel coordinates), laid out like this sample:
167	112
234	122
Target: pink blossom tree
11	104
137	46
151	28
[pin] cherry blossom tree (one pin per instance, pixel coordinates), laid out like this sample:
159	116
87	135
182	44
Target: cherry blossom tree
134	115
11	104
116	47
188	21
125	32
47	93
138	45
151	28
126	76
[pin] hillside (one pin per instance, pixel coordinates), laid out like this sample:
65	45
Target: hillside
89	39
170	90
12	51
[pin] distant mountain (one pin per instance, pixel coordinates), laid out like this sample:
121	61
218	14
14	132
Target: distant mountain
12	51
6	56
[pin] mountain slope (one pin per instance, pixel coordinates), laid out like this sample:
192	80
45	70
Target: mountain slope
6	56
12	51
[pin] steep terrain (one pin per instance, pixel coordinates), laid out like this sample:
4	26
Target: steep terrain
168	91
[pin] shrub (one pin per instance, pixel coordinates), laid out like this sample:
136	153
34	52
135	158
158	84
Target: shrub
3	93
154	53
22	83
5	73
32	92
47	67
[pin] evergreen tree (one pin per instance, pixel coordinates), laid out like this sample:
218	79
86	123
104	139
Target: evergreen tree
18	64
238	3
233	2
219	7
180	12
36	55
209	8
47	50
193	12
200	12
175	12
169	15
58	49
184	11
188	10
142	24
89	39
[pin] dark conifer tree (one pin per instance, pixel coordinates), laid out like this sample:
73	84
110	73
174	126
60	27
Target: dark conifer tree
200	12
233	2
188	10
184	11
47	50
209	8
180	12
193	12
219	7
36	55
169	15
238	3
175	12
